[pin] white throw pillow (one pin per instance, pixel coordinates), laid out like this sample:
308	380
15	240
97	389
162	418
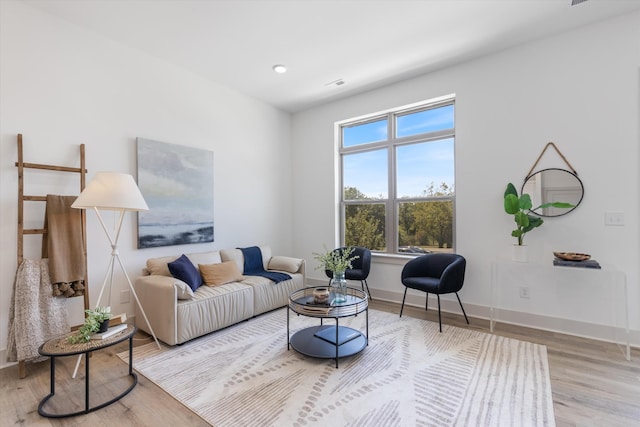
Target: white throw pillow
284	263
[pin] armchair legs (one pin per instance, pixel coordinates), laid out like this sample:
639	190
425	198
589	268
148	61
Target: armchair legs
439	315
439	312
465	314
403	298
364	283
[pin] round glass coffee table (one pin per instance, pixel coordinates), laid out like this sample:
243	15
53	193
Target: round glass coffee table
328	341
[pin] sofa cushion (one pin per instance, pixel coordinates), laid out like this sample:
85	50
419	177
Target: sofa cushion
268	295
220	273
159	266
213	308
183	269
283	263
212	257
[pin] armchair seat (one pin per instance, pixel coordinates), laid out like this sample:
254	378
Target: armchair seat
435	273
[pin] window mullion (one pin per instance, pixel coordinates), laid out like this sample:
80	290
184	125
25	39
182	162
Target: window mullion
391	219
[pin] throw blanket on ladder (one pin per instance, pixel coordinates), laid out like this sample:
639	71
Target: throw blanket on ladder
34	315
253	265
63	244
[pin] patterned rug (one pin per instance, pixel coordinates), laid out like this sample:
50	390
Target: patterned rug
408	375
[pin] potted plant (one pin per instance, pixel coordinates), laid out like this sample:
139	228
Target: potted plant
520	206
337	261
94	320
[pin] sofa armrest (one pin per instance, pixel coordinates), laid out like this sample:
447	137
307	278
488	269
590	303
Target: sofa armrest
303	270
158	297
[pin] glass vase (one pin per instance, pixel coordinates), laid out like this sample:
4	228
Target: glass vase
339	287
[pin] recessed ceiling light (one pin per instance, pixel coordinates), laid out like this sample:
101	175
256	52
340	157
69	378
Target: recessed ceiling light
279	69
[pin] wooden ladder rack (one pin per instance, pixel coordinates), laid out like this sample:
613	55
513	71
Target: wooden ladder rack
22	198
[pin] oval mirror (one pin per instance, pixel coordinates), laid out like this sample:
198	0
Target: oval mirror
553	185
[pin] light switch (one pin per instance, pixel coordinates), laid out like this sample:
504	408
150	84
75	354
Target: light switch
613	218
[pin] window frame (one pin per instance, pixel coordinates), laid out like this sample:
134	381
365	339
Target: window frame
391	144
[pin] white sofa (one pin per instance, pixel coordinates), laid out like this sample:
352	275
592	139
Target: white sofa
178	314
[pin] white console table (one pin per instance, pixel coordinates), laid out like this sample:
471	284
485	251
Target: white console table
591	300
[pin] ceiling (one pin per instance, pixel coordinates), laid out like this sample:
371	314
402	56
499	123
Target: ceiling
366	44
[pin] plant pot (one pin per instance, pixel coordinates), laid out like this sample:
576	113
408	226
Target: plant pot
104	325
520	253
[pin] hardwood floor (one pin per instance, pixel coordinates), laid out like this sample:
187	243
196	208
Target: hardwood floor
591	382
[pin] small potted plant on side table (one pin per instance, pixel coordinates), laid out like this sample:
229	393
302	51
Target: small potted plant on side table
96	320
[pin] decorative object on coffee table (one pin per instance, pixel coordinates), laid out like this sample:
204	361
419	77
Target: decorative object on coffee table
360	267
337	261
321	295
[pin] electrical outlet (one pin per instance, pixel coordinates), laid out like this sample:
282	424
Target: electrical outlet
125	296
525	292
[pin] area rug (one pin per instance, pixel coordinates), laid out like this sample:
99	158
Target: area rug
408	375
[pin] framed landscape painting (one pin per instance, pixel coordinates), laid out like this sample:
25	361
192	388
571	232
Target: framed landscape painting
177	184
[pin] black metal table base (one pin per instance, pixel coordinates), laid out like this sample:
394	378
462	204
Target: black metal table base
308	343
87	408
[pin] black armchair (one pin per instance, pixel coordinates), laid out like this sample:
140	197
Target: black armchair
360	267
436	273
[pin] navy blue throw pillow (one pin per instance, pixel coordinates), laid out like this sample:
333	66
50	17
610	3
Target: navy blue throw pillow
183	269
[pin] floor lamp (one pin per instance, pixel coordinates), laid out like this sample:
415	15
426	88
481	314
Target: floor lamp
117	192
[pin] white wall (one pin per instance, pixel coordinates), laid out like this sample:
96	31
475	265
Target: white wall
578	89
61	86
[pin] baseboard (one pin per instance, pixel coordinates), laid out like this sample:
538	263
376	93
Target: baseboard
577	328
3	359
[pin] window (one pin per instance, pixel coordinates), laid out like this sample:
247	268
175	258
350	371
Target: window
397	179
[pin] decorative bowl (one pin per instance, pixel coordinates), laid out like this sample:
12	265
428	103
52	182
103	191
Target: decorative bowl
572	256
321	295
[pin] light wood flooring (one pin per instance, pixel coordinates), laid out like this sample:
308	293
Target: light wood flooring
591	382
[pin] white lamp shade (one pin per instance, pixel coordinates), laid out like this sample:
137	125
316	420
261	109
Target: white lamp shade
111	191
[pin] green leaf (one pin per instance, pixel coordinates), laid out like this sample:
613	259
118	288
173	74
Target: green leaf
525	202
511	189
534	221
522	219
511	204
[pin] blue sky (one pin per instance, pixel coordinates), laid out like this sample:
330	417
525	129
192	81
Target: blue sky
417	164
